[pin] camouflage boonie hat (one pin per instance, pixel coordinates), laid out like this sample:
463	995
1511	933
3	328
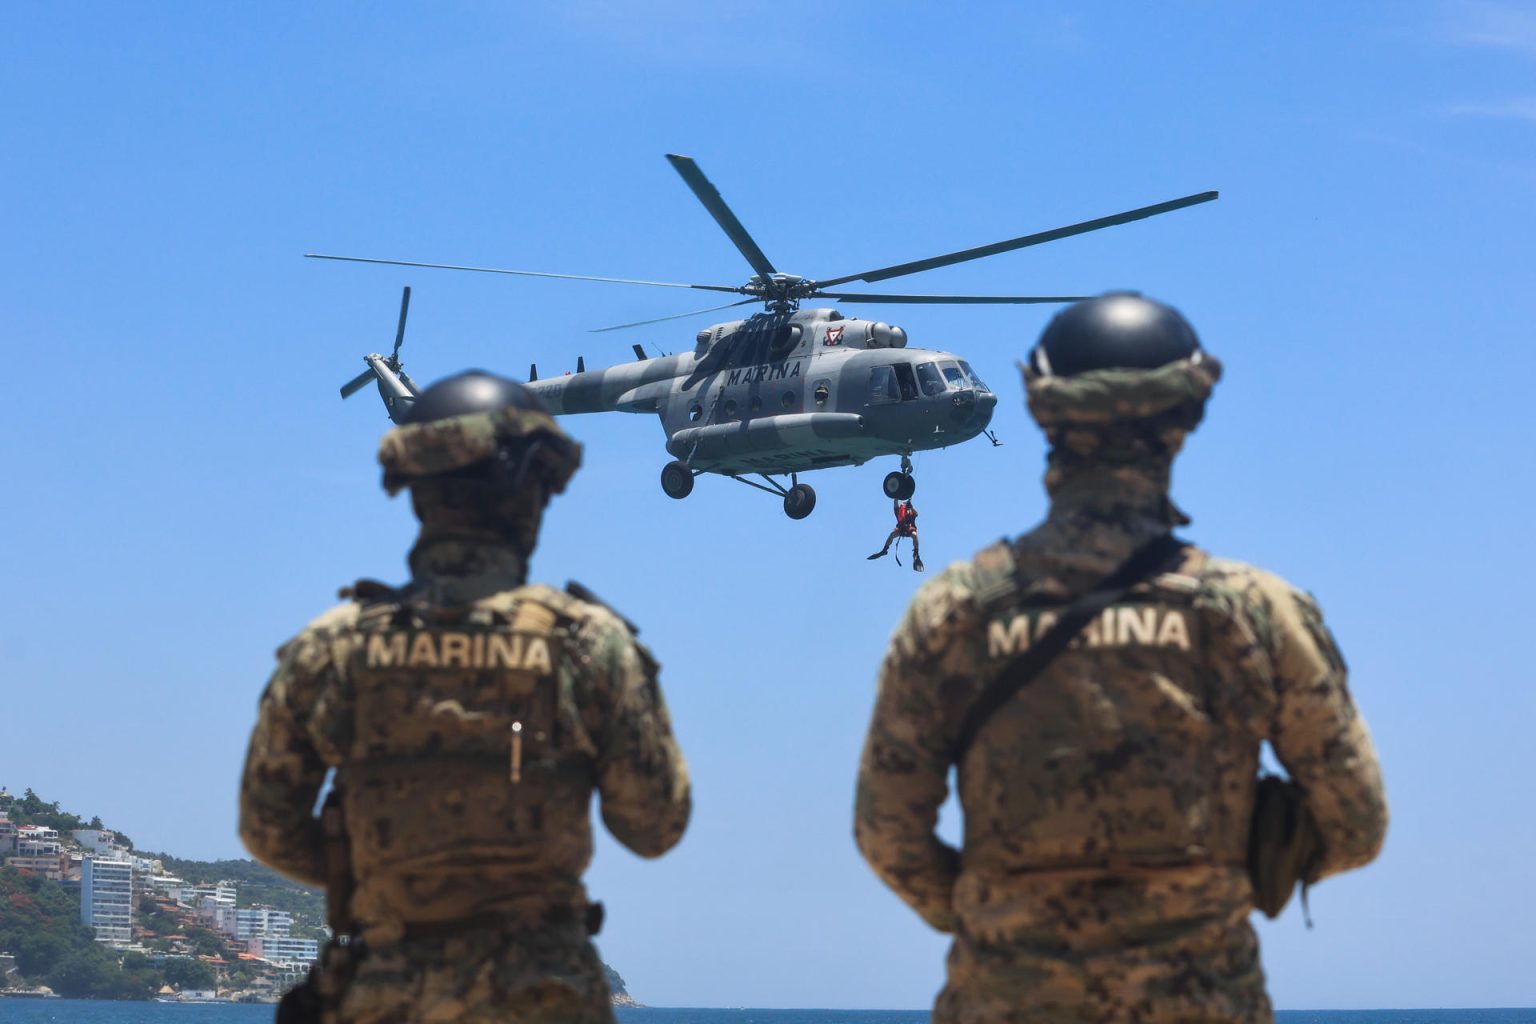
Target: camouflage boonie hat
416	451
1101	410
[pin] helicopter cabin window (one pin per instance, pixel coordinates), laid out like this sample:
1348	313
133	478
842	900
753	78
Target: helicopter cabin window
882	385
730	409
928	379
694	412
757	404
908	381
953	375
971	376
822	391
787	400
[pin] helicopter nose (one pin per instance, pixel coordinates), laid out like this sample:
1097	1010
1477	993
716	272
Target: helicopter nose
986	401
967	405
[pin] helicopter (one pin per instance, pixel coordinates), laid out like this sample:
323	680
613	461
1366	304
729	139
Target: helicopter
785	390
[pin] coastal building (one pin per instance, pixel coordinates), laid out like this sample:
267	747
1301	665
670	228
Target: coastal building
28	846
168	886
265	922
106	899
285	950
219	894
38	855
100	841
218	916
7	833
53	867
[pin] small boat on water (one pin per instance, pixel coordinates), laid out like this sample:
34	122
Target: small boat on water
195	996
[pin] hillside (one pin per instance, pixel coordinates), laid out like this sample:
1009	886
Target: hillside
40	925
40	921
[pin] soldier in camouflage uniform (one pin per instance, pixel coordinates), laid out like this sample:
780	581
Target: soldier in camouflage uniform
469	717
1107	803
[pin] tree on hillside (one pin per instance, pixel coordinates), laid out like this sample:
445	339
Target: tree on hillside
82	975
40	924
31	809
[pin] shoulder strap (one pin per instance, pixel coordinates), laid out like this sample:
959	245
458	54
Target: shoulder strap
1018	672
583	593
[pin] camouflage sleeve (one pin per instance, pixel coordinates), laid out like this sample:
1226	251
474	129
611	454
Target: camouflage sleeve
1319	735
642	778
903	774
283	772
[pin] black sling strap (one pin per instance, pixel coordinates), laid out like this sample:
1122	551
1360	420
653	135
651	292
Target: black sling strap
1144	562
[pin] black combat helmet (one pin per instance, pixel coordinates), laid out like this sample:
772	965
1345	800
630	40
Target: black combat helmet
471	391
508	437
1117	330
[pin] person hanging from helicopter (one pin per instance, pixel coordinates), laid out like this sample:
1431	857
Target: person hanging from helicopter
906	526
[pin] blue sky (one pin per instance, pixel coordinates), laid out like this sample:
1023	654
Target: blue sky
184	490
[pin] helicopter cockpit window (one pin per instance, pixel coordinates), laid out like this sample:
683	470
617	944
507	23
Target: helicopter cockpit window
694	412
928	380
907	380
883	386
971	375
953	375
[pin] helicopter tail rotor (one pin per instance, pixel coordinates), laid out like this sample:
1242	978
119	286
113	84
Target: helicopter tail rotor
396	388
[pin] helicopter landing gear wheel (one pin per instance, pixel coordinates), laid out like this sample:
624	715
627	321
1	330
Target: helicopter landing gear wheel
799	500
899	486
677	480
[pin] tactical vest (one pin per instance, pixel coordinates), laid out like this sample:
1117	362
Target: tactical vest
468	772
1135	748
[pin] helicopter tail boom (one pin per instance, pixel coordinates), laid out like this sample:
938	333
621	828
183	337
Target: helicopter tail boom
396	388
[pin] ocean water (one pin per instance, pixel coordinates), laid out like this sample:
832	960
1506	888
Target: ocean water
71	1011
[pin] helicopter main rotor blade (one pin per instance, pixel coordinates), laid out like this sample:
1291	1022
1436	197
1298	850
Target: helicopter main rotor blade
674	316
710	197
954	299
527	273
405	304
964	255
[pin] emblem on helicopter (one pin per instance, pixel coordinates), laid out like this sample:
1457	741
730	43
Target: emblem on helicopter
786	390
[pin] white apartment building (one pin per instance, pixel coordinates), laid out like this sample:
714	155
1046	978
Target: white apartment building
220	894
285	950
100	841
167	885
262	921
30	847
106	899
218	916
